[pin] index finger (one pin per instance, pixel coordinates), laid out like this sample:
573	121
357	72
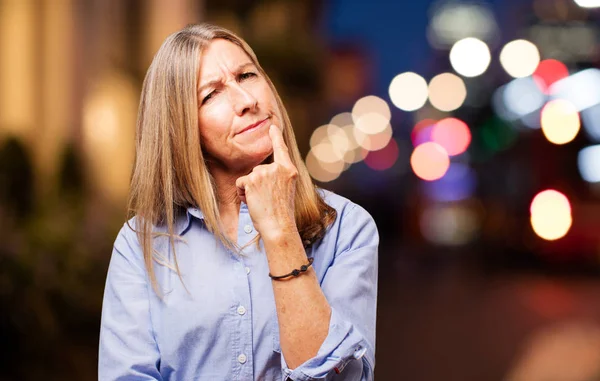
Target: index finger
280	150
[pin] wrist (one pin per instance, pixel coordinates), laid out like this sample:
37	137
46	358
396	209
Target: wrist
280	235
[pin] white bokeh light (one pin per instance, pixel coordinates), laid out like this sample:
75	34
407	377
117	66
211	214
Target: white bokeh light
520	58
588	162
322	171
447	92
588	3
521	96
371	104
408	91
342	119
373	142
580	88
453	21
470	57
329	143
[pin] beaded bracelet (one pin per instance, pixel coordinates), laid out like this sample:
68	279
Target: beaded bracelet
294	272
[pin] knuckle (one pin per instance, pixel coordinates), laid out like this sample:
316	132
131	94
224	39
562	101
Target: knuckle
257	171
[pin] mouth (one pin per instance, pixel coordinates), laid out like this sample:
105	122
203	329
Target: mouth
254	126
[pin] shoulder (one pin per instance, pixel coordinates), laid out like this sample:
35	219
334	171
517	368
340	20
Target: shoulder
353	227
344	207
127	239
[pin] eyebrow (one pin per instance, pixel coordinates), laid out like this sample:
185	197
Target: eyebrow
214	82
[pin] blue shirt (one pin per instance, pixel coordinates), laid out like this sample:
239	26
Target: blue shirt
224	327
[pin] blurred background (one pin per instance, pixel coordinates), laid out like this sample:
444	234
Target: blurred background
470	130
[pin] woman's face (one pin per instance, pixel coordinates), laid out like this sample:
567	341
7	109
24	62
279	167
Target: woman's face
235	108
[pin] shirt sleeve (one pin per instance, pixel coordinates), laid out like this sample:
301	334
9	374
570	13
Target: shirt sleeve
350	286
128	350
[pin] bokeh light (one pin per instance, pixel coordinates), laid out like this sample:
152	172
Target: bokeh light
588	3
369	104
429	161
550	215
470	57
449	224
591	122
373	142
371	123
457	184
519	98
355	152
453	134
383	158
560	121
329	143
108	110
453	21
321	171
421	132
564	348
319	135
496	135
408	91
342	119
519	58
548	72
371	114
447	92
588	162
581	89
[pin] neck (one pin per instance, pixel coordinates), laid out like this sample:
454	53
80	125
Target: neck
227	197
225	178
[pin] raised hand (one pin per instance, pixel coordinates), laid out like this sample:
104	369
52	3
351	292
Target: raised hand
269	191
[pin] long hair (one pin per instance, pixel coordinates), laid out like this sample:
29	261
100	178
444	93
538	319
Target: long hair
170	173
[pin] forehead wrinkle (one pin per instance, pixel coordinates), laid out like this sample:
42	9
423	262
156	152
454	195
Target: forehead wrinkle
217	79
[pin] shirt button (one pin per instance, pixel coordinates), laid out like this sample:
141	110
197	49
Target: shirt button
247	270
241	310
242	358
248	229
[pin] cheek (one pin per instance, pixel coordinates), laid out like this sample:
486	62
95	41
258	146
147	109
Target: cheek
265	96
273	106
214	122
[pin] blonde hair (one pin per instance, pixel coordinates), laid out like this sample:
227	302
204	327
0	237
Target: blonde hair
170	173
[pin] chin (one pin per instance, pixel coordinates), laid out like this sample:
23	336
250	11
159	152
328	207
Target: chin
265	157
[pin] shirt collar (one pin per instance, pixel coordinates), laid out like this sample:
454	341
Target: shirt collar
187	221
197	213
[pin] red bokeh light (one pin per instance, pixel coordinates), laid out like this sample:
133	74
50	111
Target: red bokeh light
548	72
421	132
383	158
452	134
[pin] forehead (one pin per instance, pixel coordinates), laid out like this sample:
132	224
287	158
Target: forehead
219	56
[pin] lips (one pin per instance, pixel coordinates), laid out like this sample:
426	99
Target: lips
253	126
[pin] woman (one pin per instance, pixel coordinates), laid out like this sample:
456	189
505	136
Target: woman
234	267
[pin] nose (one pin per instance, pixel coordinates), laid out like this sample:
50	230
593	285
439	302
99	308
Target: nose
241	99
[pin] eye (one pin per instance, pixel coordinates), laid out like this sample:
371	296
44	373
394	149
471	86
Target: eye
246	75
209	96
